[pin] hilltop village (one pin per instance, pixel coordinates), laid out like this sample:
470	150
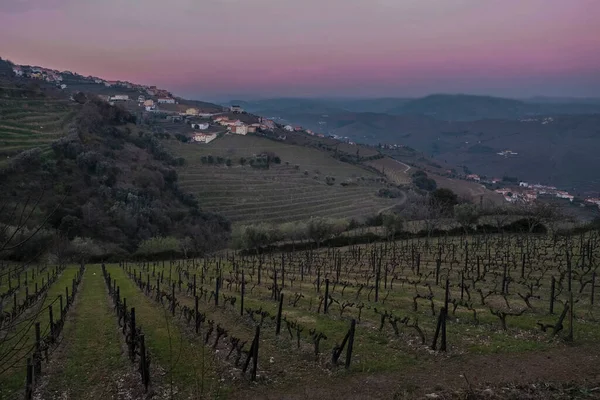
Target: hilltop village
201	123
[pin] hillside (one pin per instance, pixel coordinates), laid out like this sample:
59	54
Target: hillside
294	189
104	179
30	117
559	150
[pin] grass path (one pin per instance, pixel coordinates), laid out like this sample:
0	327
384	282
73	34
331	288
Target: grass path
12	380
174	355
91	363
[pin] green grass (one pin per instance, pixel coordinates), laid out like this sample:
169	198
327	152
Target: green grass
93	360
21	343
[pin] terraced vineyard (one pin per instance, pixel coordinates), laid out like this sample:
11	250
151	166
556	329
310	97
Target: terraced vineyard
298	323
27	122
294	190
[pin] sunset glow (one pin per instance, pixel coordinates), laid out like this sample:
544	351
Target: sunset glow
253	48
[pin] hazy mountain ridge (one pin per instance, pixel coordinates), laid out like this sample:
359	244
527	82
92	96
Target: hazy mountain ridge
452	107
555	142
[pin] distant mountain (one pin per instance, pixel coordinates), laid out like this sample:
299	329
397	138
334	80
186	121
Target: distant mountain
464	107
564	100
447	107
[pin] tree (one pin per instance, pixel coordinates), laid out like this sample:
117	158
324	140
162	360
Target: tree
445	199
541	214
500	216
393	224
186	245
466	215
80	98
423	182
259	235
318	229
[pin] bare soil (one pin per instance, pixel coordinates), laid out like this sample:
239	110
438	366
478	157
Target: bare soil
445	378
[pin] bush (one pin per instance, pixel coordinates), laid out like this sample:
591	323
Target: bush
390	193
159	247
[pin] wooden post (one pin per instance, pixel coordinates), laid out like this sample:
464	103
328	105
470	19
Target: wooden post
144	366
350	343
37	367
438	329
593	287
133	338
255	354
443	344
60	300
569	272
51	319
67	296
29	381
243	290
326	296
282	270
194	285
571	312
217	291
447	295
278	328
173	299
438	264
196	314
552	288
377	278
259	268
122	311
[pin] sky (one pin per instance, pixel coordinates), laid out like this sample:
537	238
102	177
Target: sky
220	49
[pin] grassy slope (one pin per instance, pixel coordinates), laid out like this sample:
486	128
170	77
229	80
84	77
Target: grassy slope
92	361
180	358
282	193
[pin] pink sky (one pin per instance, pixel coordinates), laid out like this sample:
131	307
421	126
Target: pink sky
252	48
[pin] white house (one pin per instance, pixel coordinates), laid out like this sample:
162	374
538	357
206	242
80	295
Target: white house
240	129
119	97
236	109
18	71
141	99
523	184
204	137
289	128
63	86
200	126
166	100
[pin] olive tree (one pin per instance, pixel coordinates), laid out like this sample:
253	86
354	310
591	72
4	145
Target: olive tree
466	215
392	223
